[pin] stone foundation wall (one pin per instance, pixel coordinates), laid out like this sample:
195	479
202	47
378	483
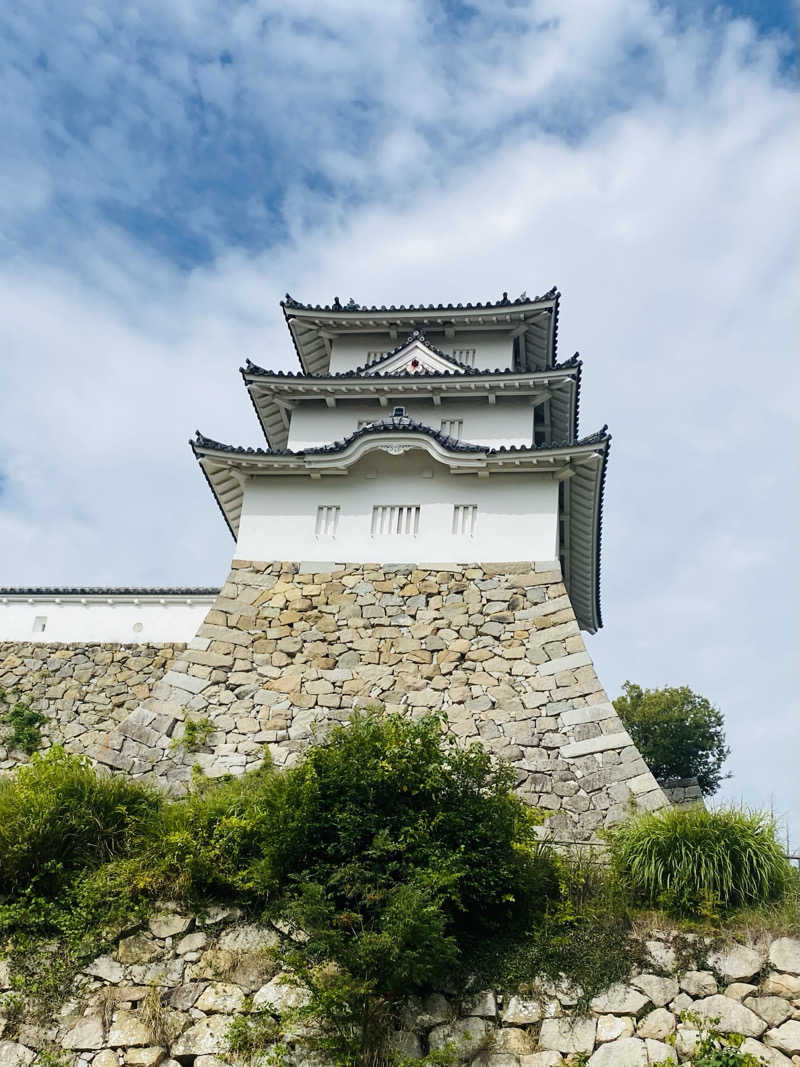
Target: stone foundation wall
83	690
682	792
202	970
289	649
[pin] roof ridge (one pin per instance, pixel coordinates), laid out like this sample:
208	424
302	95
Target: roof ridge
352	306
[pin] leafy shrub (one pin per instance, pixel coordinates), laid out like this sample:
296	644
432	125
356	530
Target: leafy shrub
58	816
714	1048
692	860
196	733
679	733
24	725
584	939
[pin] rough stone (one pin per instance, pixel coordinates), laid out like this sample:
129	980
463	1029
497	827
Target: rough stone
773	1010
769	1057
205	1037
733	1017
145	1057
611	1027
660	991
137	949
280	994
625	1052
658	1024
168	923
781	985
785	1038
784	954
619	999
106	968
128	1029
468	1035
13	1054
220	997
698	983
86	1034
482	1004
737	962
568	1035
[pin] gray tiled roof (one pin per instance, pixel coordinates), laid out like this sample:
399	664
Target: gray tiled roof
119	590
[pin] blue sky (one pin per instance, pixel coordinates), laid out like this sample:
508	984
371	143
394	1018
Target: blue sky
171	169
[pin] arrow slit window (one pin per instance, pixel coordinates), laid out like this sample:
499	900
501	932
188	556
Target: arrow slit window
395	520
465	518
327	520
453	428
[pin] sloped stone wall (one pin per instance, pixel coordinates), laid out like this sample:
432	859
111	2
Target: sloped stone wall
289	649
83	690
204	969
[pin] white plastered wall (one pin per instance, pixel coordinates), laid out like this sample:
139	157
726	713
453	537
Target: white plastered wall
493	350
516	517
507	422
69	620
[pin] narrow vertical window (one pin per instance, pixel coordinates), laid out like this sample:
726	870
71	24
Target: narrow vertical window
453	428
327	520
465	518
395	520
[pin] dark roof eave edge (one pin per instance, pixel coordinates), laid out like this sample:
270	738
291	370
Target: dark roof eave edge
599	534
211	486
396	425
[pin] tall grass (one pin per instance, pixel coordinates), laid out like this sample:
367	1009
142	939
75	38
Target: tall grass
691	859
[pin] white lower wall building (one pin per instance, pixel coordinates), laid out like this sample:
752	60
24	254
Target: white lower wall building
124	616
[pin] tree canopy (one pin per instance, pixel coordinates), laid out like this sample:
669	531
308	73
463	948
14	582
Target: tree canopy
679	733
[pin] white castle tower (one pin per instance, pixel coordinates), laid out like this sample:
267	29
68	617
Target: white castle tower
438	434
421	532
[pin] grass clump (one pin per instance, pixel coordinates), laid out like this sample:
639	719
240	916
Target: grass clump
692	860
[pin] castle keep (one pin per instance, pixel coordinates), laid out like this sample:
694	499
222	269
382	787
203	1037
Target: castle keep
419	530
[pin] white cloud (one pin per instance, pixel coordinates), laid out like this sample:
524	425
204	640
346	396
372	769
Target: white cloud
664	211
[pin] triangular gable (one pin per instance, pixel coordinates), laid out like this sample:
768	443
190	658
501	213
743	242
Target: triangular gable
414	357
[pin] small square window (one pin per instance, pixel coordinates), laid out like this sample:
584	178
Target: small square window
40	624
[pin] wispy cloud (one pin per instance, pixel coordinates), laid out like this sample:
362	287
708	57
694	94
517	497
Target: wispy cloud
173	170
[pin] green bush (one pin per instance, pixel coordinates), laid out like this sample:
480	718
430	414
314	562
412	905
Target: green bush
691	860
714	1048
24	725
58	816
679	733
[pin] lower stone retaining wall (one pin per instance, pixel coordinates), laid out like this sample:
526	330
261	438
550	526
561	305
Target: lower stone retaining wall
167	993
83	690
290	649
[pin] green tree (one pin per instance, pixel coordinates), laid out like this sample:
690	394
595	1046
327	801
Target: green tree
679	733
